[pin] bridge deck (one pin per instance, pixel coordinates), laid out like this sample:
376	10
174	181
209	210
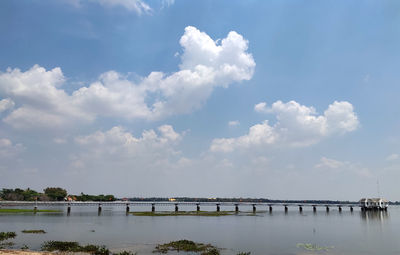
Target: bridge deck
157	203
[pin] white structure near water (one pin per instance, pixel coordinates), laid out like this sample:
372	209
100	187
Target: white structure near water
374	203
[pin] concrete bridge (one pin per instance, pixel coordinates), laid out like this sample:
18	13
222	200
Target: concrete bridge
176	205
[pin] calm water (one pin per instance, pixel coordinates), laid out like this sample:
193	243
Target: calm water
275	233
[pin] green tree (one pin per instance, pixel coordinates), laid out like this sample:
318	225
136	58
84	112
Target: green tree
55	193
30	195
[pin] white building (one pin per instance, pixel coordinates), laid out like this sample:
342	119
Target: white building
374	203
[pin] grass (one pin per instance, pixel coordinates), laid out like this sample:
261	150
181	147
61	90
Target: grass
183	213
34	231
7	235
187	246
15	210
74	247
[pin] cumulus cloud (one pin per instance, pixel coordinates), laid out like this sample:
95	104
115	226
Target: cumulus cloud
205	64
296	125
6	104
39	99
121	147
261	107
8	149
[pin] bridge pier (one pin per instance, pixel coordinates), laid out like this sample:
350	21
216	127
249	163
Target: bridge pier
314	208
176	208
254	209
99	210
300	209
340	209
327	209
286	209
218	209
236	208
153	208
351	208
270	209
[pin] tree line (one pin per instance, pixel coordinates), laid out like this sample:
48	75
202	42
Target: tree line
49	194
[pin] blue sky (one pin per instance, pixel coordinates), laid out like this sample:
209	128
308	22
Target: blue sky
81	124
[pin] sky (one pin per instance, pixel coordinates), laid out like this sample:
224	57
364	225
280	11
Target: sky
139	98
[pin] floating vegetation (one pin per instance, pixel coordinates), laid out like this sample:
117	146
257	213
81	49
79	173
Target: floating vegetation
15	210
6	245
314	247
7	235
34	231
125	253
244	253
24	247
185	213
187	246
74	247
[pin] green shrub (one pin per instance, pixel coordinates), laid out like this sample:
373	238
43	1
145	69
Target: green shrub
7	235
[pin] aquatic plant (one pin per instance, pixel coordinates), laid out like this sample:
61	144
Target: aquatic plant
74	247
34	231
6	245
7	235
314	247
24	247
185	213
187	246
124	253
211	251
244	253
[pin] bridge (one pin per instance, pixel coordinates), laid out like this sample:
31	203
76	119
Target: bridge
176	205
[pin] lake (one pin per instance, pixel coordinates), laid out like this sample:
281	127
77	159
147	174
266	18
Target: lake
276	233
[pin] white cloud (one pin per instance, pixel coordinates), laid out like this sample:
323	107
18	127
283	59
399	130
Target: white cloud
6	104
138	6
233	123
392	157
205	65
8	149
297	125
330	163
261	107
167	3
122	151
339	167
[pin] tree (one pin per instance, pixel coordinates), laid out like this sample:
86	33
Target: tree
55	193
30	195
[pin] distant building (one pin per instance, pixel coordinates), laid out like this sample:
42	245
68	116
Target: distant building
374	203
172	199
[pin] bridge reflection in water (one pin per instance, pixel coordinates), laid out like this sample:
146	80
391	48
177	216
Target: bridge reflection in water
374	215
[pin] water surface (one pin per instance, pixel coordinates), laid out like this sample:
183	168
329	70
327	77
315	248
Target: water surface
266	233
